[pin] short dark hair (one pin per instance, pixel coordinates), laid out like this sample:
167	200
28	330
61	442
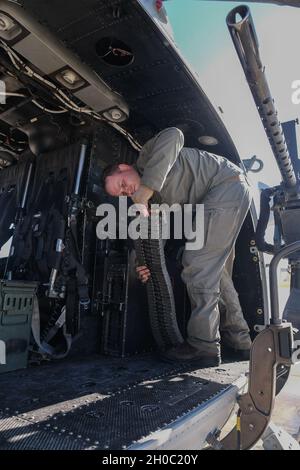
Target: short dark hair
108	171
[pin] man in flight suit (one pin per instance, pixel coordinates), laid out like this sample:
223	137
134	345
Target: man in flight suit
192	176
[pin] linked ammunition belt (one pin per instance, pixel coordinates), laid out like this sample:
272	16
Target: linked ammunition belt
161	304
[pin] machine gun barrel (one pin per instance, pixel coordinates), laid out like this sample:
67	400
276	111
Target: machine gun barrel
242	31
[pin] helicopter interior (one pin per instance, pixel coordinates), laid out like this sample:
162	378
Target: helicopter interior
102	77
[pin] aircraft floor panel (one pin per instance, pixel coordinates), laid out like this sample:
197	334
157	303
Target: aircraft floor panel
102	403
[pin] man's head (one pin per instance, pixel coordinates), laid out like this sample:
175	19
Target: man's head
121	180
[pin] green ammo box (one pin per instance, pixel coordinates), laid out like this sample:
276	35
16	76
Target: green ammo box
16	308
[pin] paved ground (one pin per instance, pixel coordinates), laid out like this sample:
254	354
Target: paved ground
287	408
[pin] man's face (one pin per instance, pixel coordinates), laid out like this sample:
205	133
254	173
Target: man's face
124	182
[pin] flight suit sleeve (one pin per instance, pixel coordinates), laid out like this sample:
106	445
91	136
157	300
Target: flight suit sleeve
161	157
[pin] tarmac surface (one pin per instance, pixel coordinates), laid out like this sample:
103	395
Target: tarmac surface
287	408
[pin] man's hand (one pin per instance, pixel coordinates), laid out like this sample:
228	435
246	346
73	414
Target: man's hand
142	196
143	273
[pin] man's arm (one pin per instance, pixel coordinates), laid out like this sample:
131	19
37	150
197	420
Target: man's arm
162	155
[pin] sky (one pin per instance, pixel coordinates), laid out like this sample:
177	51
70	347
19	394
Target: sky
202	36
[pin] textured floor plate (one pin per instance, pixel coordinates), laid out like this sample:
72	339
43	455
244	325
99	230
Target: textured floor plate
101	402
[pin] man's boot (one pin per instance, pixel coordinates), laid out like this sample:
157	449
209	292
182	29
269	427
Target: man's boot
185	353
236	344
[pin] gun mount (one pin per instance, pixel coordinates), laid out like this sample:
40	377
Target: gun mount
286	196
286	206
246	44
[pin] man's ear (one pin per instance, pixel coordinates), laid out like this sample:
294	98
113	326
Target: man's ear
124	167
